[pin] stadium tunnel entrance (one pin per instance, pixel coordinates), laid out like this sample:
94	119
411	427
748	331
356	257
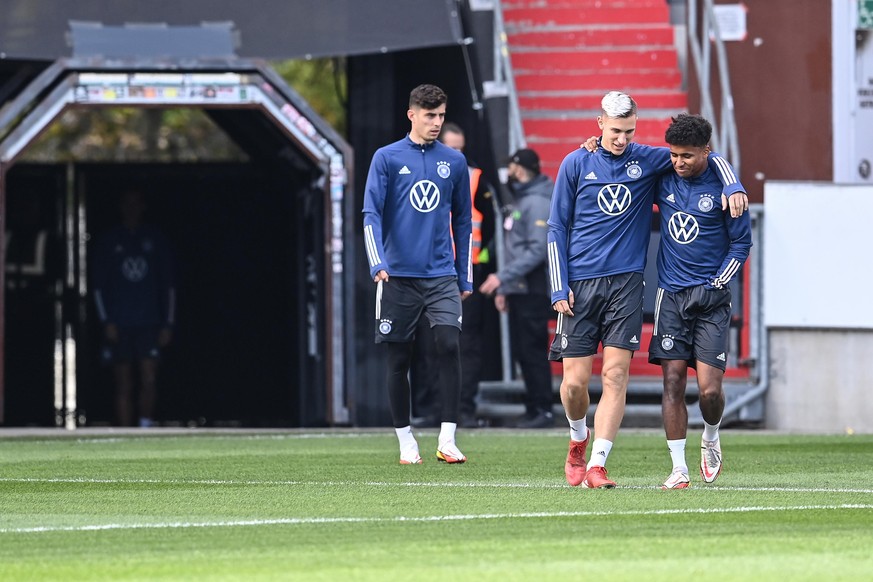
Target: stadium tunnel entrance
260	254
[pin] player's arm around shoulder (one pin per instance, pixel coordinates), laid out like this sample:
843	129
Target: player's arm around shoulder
733	197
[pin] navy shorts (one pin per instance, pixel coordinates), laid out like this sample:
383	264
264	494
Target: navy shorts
402	301
607	310
134	344
693	325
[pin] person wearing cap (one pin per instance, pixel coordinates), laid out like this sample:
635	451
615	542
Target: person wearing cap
521	285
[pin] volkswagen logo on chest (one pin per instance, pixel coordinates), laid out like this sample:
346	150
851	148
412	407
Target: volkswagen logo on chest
614	199
683	228
424	196
134	269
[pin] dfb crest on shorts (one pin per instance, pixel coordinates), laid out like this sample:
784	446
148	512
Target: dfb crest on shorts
385	326
424	196
667	343
444	169
564	342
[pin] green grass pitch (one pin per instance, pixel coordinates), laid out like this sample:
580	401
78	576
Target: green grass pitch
335	505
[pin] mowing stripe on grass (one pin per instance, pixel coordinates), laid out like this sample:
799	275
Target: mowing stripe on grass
271	483
427	518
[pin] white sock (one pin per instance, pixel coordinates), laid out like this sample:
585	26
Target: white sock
447	432
407	441
578	429
677	453
710	431
599	452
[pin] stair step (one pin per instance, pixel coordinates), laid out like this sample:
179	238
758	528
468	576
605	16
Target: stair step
518	4
582	127
566	54
555	151
590	100
551	156
625	80
593	60
602	13
586	36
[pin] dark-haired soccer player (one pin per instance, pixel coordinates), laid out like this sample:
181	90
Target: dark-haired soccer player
417	198
599	227
702	249
135	296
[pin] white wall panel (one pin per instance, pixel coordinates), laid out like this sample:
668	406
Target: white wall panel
818	255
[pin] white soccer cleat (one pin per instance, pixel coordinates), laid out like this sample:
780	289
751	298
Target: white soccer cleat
678	479
710	460
448	452
410	456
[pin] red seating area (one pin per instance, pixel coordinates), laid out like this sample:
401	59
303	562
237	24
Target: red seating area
566	54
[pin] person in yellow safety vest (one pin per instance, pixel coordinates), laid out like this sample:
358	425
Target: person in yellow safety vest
478	254
479	312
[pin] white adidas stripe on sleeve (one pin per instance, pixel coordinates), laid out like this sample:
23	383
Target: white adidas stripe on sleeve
370	244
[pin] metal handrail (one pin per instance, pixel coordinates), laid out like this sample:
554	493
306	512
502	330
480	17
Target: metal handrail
503	73
724	138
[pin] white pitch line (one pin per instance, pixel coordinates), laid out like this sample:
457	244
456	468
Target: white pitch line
109	440
426	518
292	483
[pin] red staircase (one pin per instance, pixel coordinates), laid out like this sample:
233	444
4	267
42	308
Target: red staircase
566	54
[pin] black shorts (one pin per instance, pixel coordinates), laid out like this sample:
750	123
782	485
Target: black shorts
134	344
401	302
607	310
692	325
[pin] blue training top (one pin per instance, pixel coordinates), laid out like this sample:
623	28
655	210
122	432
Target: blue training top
700	242
417	212
601	212
133	278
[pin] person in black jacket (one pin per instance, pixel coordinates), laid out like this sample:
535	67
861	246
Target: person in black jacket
521	286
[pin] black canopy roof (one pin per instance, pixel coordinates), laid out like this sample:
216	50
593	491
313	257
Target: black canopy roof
269	29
